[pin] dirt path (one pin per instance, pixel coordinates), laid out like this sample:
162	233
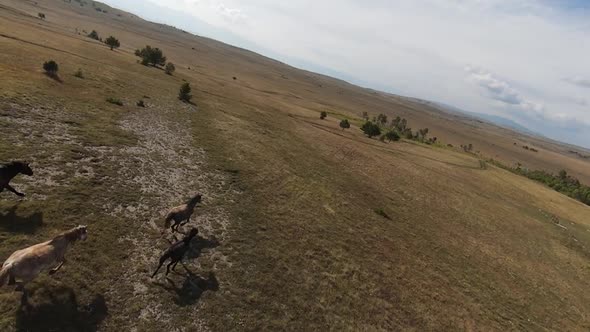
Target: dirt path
167	169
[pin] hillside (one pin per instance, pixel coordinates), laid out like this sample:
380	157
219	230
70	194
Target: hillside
304	226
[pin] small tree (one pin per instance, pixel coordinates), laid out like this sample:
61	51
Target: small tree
51	68
370	129
41	16
151	56
382	119
344	124
422	133
170	68
185	92
365	116
392	136
112	42
323	115
94	35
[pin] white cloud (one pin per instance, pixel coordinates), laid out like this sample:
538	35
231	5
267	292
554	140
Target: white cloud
581	82
501	90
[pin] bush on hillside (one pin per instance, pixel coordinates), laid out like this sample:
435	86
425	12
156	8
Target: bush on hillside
112	42
170	68
51	68
323	115
370	129
151	56
115	101
185	92
344	124
392	136
94	35
79	73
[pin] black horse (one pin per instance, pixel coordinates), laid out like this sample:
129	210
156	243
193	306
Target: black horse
9	171
176	252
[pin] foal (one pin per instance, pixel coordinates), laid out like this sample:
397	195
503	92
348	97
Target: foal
182	213
176	252
9	171
27	263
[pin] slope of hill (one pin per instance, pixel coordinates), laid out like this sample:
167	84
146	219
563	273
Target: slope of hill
304	226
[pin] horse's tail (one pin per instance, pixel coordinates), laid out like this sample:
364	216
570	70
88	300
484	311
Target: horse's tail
4	273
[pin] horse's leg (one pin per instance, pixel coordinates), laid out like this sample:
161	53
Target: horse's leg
159	266
168	267
174	266
9	187
55	269
11	280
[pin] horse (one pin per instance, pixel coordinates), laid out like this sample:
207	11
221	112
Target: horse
26	264
176	252
9	171
182	213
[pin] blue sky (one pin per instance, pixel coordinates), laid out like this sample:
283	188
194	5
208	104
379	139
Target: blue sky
528	60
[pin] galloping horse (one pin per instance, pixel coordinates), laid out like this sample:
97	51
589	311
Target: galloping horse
182	213
9	171
27	263
176	252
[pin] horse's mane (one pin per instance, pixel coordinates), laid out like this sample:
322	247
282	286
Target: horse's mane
70	235
12	164
194	200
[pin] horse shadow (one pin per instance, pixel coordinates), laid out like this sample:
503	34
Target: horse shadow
191	289
198	244
57	309
12	222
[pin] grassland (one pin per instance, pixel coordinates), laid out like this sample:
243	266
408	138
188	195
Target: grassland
290	239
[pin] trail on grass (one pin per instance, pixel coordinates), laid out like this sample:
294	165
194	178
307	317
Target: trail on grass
168	169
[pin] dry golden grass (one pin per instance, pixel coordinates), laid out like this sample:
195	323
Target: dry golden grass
291	239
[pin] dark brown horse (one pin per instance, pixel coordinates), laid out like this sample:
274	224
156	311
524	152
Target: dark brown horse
176	252
9	171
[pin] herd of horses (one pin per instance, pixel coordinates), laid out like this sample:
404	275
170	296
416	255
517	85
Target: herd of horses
26	264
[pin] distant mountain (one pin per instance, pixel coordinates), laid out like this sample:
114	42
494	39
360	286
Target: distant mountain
494	119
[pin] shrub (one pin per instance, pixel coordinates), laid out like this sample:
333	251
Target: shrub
94	35
140	103
170	68
382	119
112	42
392	136
115	101
408	133
79	73
323	115
51	68
151	56
185	92
370	129
344	124
382	213
41	16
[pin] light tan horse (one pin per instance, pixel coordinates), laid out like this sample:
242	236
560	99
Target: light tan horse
182	213
26	264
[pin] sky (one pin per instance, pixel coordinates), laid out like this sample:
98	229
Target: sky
527	60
